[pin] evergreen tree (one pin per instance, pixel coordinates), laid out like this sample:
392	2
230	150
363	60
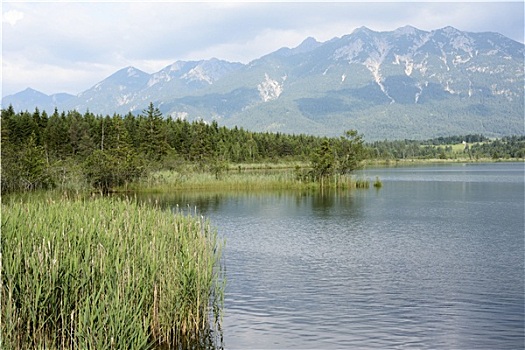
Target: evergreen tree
9	156
323	161
132	127
33	169
153	134
56	137
201	148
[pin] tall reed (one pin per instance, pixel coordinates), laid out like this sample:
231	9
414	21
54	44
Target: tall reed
105	273
169	180
164	181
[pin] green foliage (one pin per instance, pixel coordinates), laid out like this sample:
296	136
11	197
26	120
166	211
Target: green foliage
474	147
217	167
152	134
342	158
351	152
113	151
33	170
323	161
24	168
107	274
105	170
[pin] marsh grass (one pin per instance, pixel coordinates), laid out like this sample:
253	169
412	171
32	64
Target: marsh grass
107	273
256	179
165	181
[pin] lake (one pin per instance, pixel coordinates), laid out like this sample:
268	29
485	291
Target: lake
433	259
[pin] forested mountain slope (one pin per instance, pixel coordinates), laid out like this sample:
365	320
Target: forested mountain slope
405	83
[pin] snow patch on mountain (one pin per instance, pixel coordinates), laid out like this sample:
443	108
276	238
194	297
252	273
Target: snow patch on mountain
448	89
458	60
197	74
504	92
374	61
407	60
464	43
123	99
350	51
175	67
406	30
132	72
374	68
269	89
179	115
420	88
160	77
444	58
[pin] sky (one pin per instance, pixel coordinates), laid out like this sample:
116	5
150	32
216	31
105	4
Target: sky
69	46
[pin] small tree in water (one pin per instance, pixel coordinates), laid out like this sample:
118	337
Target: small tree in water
350	153
342	158
323	161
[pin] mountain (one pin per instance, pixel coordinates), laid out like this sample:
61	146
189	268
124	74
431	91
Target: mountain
131	89
121	88
29	99
406	83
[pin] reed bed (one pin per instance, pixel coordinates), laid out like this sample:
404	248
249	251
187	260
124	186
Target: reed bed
166	181
107	273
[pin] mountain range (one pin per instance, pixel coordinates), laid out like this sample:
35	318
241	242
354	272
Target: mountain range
401	84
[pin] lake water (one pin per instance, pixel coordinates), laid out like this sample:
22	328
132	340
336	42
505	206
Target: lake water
433	259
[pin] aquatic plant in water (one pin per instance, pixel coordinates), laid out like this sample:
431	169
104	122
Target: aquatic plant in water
108	273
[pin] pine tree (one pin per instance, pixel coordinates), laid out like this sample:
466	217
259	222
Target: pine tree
56	137
153	134
33	168
323	161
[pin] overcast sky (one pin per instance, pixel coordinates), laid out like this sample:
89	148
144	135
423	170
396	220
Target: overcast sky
70	46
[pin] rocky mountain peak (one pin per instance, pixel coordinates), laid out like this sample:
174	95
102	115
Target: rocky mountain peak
405	83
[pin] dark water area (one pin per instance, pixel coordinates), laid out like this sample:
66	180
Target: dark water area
433	259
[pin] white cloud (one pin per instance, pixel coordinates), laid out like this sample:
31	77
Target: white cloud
51	46
23	72
12	17
244	51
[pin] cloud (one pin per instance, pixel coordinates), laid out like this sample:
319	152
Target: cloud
22	72
12	17
51	46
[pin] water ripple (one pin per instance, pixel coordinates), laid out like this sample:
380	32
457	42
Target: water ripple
418	265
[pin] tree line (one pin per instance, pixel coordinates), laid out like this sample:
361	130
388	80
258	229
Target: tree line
474	147
42	151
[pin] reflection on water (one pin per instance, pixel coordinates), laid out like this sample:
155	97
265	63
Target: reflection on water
434	259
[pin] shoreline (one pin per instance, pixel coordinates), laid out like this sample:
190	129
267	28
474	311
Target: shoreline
412	161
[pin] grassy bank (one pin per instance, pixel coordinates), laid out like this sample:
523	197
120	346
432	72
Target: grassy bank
269	178
105	274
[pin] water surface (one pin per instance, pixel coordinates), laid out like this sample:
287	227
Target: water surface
434	259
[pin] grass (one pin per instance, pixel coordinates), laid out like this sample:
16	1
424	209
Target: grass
256	179
104	273
268	165
163	181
